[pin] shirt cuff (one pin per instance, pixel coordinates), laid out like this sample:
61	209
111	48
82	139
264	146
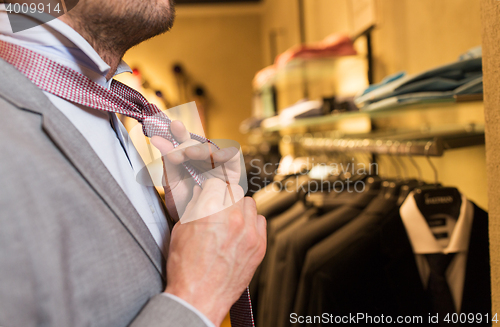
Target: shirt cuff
190	307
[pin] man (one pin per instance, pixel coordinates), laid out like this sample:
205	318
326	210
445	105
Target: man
81	242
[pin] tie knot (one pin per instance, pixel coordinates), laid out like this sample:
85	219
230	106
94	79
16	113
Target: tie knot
150	109
439	262
158	124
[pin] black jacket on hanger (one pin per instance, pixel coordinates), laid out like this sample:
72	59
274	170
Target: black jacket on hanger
339	252
376	273
270	276
285	195
258	283
292	250
297	210
267	315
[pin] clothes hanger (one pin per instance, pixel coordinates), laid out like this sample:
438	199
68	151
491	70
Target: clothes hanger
342	180
319	175
393	187
402	185
385	181
414	163
372	180
410	184
433	200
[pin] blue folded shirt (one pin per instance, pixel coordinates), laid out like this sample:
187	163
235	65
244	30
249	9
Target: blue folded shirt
438	82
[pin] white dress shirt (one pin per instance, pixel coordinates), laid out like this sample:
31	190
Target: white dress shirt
423	242
61	43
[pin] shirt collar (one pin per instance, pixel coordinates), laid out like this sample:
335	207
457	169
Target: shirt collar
420	235
61	43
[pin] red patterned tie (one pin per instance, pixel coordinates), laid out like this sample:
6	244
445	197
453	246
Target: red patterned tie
70	85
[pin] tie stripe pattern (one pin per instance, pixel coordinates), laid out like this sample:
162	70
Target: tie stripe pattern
70	85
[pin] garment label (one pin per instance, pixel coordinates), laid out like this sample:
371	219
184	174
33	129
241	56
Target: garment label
436	222
438	199
439	236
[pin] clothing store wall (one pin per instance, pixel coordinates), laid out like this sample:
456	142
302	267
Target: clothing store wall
410	35
220	49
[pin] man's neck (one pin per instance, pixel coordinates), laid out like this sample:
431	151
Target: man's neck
111	55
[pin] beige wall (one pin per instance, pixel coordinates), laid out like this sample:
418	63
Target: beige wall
417	35
281	17
220	51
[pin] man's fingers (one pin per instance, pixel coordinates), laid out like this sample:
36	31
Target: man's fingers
251	216
196	193
250	208
162	144
212	196
262	226
224	155
178	155
208	152
234	195
196	196
200	151
179	131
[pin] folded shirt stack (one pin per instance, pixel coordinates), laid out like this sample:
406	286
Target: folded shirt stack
445	82
302	109
334	45
306	109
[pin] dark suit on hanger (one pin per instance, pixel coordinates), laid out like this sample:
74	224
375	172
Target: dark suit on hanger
266	314
293	248
279	208
377	273
279	237
337	251
409	292
292	212
282	197
258	283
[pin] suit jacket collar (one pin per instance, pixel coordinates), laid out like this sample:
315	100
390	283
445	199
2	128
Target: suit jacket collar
420	235
18	90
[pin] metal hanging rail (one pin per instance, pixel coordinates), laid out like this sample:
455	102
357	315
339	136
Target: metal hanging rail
425	145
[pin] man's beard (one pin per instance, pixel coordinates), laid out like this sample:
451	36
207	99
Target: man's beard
117	25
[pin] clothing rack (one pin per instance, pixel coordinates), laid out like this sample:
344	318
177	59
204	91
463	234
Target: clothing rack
411	144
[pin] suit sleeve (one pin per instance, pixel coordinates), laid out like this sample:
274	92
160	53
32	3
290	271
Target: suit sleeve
165	311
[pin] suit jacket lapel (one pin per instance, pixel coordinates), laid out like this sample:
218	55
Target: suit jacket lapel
24	94
402	270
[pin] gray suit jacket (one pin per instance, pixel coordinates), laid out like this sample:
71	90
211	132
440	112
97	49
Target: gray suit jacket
73	249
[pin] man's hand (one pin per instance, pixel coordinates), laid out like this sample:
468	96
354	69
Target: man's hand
178	183
212	260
